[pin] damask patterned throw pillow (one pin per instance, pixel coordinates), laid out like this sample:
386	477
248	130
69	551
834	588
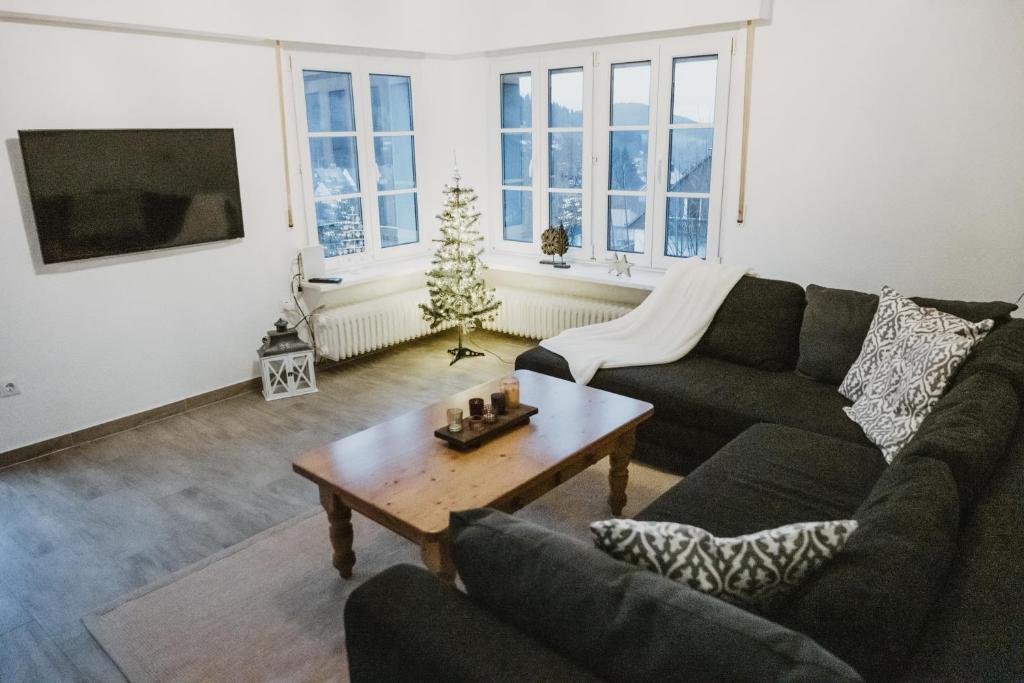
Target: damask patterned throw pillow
754	569
912	377
894	315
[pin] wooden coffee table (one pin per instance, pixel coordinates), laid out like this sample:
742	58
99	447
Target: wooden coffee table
401	476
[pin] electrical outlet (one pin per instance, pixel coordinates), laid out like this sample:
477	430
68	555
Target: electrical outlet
9	388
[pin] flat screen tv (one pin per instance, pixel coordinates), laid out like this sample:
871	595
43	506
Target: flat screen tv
104	192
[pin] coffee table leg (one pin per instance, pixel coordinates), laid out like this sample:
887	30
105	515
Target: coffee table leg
340	517
437	556
618	472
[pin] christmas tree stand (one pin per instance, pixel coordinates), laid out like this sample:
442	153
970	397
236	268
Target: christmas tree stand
460	351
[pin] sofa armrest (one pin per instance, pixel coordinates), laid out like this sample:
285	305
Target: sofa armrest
405	624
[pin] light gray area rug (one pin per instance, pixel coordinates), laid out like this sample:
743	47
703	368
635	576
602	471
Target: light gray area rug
270	608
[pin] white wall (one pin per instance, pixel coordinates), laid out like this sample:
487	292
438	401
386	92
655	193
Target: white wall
431	26
95	340
886	146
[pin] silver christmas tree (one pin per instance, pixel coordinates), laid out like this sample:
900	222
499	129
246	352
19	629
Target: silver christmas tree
458	293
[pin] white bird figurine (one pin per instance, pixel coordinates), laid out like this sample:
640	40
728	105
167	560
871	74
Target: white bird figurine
619	266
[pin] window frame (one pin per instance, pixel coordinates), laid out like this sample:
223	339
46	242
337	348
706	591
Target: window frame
360	69
693	46
610	56
570	59
496	235
538	66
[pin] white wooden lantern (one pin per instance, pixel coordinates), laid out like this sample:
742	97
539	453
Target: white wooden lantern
286	363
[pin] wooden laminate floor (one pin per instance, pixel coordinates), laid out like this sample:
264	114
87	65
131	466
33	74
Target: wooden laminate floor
82	526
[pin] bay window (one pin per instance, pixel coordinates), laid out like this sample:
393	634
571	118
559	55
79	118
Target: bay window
654	144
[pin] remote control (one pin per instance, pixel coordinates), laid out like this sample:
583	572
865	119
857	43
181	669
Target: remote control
325	280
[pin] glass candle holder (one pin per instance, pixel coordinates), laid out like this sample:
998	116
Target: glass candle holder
490	417
476	423
498	403
476	407
510	387
455	419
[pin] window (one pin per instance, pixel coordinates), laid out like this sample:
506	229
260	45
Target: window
691	141
394	148
359	160
517	157
565	152
655	144
628	138
334	162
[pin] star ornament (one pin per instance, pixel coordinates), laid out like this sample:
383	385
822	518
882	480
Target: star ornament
619	266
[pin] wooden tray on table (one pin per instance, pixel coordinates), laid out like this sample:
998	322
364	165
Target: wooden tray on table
469	438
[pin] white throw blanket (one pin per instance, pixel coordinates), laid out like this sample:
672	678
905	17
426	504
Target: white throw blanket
662	329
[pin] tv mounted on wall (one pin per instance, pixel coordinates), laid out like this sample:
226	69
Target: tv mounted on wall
105	192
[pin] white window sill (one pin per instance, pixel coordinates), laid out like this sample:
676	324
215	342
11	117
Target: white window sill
595	272
371	272
581	271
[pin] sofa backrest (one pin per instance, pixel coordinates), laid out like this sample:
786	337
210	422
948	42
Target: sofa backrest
869	603
757	325
969	430
836	321
975	628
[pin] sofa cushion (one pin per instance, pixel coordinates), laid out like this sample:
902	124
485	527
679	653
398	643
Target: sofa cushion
895	315
727	398
758	325
973	311
621	622
911	379
969	431
770	476
754	569
834	326
837	320
1000	353
975	631
869	603
385	644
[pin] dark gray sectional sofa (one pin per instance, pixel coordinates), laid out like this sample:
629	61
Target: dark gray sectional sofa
931	587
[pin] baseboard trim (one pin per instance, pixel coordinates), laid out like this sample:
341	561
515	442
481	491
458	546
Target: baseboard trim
81	436
77	438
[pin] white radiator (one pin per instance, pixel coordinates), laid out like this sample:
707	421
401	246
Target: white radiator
350	330
540	315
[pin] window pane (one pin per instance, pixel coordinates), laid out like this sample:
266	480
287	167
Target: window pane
516	101
328	101
686	227
565	160
339	222
631	94
391	102
398	222
689	160
565	98
518	215
566	209
693	89
335	165
627	160
396	162
626	217
516	154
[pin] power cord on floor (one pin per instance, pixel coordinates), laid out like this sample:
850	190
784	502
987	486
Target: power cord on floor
483	348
